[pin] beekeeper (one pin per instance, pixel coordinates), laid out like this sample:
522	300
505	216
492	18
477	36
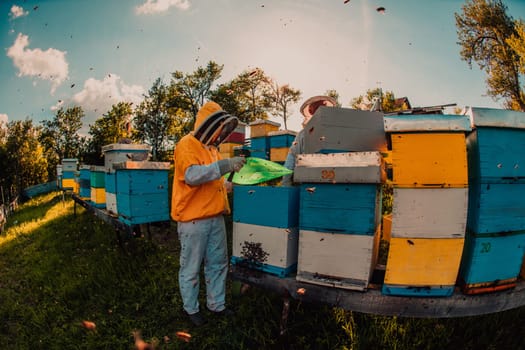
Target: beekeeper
199	201
308	109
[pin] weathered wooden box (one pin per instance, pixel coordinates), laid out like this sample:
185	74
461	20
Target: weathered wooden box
348	167
426	123
491	262
337	260
265	248
261	128
142	191
429	212
422	266
121	152
266	205
496	207
335	129
85	182
341	208
429	160
281	138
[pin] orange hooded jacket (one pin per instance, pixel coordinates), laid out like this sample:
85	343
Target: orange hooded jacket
201	201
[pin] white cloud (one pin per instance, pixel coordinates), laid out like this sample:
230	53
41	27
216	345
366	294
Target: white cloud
158	6
49	65
17	11
3	118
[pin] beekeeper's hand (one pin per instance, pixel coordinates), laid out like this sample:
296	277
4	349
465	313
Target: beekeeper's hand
231	164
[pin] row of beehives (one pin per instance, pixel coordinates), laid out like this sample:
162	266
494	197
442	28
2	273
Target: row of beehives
128	185
458	211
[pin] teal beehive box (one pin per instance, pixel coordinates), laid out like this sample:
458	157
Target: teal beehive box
266	205
142	191
84	182
340	208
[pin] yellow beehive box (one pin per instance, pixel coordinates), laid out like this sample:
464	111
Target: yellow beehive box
98	195
260	128
429	160
421	262
279	154
387	227
68	184
225	155
227	147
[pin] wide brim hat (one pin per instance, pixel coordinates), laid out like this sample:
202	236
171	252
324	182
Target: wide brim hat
314	99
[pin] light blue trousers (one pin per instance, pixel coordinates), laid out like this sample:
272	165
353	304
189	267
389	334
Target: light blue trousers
203	240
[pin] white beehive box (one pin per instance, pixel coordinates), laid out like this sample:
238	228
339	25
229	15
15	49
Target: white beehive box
429	212
348	167
279	246
122	152
337	260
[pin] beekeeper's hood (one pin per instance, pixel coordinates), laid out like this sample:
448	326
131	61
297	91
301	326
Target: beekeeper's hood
213	125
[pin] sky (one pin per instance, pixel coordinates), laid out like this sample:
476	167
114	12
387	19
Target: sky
60	53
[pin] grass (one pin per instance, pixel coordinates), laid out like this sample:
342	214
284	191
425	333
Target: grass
58	269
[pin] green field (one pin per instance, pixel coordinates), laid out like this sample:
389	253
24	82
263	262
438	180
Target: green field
58	269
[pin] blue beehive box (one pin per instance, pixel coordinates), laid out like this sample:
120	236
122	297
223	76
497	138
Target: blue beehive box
496	207
85	182
266	205
260	147
281	138
340	208
142	192
491	260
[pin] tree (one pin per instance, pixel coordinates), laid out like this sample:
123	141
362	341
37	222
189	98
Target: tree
25	163
277	99
335	95
191	90
244	95
483	29
110	128
517	43
60	138
366	101
155	122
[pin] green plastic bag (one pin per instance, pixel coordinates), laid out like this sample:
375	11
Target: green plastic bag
257	170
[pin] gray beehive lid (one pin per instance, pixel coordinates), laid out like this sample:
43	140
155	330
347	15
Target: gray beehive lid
264	121
98	168
126	147
493	117
343	129
426	122
282	132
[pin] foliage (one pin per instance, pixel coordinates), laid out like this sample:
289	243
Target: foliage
277	99
25	164
334	94
244	95
60	138
189	91
112	127
155	123
58	269
484	28
366	101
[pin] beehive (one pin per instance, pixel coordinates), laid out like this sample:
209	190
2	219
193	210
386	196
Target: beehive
422	266
337	260
142	191
265	248
226	149
85	182
279	154
334	168
238	135
281	138
270	233
491	262
121	152
429	212
386	227
70	164
98	190
334	129
110	182
260	147
341	208
261	128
